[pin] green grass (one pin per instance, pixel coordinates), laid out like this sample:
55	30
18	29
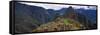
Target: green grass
66	21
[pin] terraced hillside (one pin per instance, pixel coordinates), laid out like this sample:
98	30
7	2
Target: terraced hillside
60	24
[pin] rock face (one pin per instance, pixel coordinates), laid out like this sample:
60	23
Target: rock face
70	13
28	17
51	14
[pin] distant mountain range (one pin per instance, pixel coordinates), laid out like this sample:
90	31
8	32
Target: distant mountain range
29	17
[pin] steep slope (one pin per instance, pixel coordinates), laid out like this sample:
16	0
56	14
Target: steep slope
28	17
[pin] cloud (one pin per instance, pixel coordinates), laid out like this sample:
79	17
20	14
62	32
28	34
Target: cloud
58	6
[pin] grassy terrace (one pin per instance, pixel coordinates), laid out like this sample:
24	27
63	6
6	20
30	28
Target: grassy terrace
60	24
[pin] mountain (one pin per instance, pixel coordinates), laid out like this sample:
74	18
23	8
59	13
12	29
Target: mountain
52	14
28	17
62	11
70	13
85	17
90	16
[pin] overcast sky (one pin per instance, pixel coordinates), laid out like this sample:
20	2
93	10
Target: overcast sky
57	6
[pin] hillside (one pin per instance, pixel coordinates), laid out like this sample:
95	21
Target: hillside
60	24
